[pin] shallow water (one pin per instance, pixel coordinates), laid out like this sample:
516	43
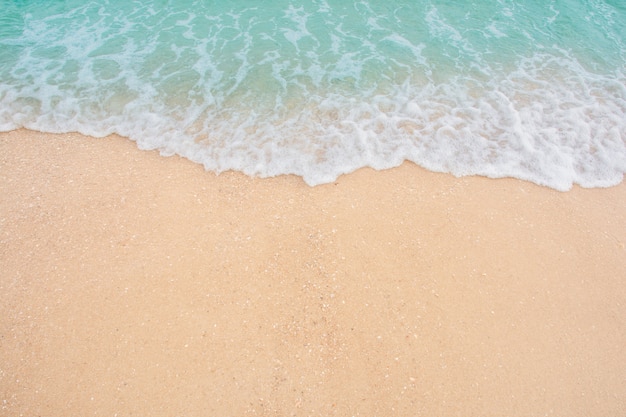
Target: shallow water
534	90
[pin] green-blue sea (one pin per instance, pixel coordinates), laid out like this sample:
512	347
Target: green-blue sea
532	89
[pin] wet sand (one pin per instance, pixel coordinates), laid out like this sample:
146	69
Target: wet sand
134	284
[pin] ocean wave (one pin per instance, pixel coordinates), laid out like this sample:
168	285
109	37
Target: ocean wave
321	89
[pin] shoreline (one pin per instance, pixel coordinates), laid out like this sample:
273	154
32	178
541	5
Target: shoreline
140	284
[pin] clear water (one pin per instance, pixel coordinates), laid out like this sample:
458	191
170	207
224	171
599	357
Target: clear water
531	89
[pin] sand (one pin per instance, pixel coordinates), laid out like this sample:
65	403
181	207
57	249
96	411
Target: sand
133	284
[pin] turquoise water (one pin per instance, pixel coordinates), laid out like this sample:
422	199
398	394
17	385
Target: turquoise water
528	89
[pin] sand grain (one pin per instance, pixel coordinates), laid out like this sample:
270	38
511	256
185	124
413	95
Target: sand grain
134	284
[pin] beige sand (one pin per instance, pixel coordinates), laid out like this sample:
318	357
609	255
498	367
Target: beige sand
137	285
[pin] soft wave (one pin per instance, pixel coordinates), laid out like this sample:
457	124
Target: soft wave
323	89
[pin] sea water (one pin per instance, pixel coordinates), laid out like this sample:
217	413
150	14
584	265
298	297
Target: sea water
533	89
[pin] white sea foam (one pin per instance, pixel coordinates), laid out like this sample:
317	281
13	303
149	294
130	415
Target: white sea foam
528	125
318	94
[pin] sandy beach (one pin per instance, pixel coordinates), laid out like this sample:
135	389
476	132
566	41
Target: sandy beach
138	285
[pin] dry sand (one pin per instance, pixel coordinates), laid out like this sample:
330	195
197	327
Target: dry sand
137	285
